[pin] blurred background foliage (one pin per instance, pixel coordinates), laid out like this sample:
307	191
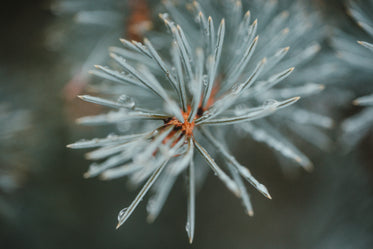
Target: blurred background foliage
55	207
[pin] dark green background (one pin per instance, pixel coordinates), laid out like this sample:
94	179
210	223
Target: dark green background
56	208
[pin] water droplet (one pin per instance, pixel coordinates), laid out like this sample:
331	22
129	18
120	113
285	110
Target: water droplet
208	113
240	110
187	227
269	102
122	213
126	101
237	88
205	80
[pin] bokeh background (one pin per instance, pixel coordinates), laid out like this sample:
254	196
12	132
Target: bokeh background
55	207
